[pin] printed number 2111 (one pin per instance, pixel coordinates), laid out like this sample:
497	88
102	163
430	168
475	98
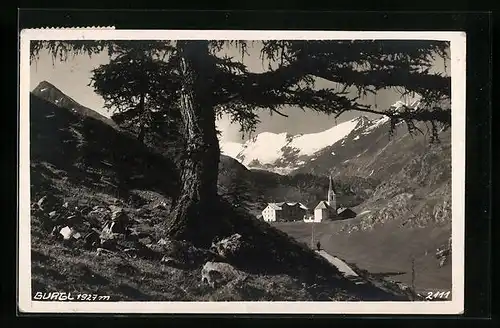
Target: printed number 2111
437	295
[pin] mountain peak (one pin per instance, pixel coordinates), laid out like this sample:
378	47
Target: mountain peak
49	92
363	119
44	85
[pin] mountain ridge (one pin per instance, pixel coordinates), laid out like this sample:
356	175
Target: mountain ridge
50	92
283	152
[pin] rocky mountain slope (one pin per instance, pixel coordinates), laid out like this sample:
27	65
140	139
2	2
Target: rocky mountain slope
98	199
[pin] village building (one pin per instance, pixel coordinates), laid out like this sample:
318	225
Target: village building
345	213
327	210
284	211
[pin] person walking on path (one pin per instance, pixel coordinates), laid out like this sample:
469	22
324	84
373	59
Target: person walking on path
318	246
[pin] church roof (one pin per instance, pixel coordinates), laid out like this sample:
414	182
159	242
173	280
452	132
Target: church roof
274	206
302	206
345	210
279	206
341	209
322	205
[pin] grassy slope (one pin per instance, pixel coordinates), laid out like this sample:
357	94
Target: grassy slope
386	250
81	161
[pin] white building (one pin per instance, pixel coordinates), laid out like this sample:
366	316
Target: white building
309	218
284	212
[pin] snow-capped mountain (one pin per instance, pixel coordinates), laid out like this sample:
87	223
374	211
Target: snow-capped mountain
358	147
284	153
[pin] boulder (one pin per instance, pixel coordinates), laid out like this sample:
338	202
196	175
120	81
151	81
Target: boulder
230	247
74	219
144	238
67	232
171	262
97	214
107	236
160	205
116	211
118	223
112	227
41	201
47	202
155	248
56	232
101	251
219	273
91	239
162	242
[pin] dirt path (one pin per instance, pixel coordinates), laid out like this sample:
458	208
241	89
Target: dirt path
342	267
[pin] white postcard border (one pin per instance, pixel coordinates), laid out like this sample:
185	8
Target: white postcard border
458	74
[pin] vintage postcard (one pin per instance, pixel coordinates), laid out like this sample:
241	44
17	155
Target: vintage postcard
290	172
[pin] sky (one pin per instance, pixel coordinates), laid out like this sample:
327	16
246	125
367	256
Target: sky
73	76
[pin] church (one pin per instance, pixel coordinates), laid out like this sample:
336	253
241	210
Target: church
327	210
293	211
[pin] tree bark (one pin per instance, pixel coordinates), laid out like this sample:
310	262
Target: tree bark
194	216
142	129
142	134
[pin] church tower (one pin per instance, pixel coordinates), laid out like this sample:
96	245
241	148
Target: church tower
331	198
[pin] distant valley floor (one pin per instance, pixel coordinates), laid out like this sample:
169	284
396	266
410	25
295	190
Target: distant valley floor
386	250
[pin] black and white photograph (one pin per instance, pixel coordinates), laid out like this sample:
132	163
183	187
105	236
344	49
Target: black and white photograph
241	171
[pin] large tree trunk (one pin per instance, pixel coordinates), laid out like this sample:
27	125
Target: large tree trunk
142	128
194	217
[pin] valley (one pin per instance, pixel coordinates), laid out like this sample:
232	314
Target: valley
385	251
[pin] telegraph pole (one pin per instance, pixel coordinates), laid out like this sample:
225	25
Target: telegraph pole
413	273
312	235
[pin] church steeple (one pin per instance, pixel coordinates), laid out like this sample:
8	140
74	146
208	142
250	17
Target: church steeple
331	199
